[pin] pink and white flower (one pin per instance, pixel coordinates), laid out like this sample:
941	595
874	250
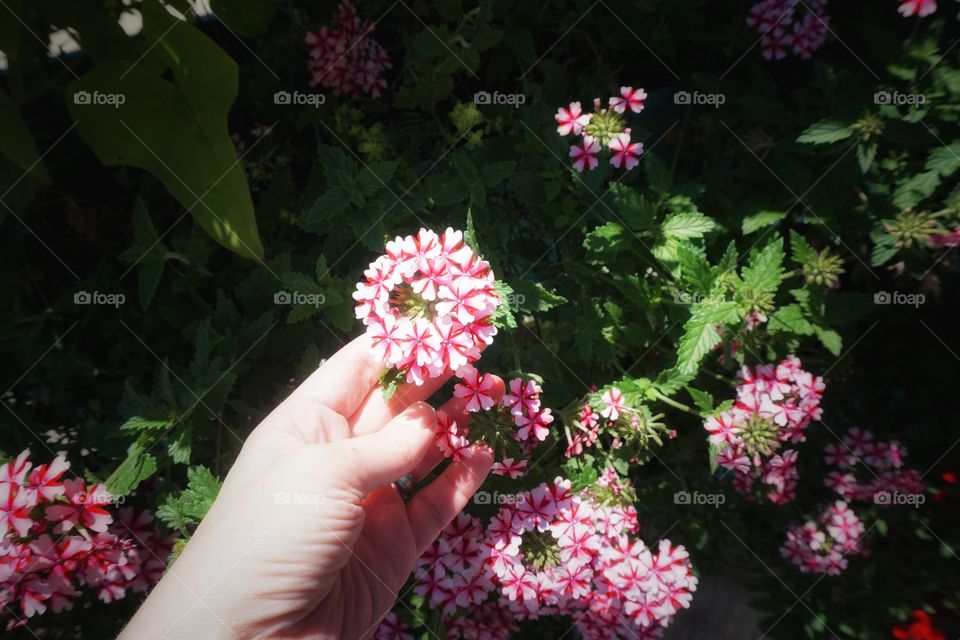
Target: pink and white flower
584	154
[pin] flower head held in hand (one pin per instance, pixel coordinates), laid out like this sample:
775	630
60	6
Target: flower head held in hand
427	304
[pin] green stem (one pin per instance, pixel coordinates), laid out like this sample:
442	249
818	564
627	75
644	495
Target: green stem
677	405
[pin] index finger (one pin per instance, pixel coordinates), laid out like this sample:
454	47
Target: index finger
345	379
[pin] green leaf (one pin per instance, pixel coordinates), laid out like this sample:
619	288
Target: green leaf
247	17
138	466
532	297
390	381
790	318
830	339
687	225
605	241
193	503
911	191
800	248
503	316
658	175
761	220
147	253
174	128
765	269
866	154
700	334
695	270
825	132
470	234
702	399
945	160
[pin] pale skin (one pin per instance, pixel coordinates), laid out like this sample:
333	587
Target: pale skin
308	537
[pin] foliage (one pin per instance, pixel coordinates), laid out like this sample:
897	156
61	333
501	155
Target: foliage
760	228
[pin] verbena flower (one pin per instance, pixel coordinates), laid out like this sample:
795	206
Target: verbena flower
774	406
427	305
59	537
346	59
605	128
920	8
789	26
865	470
822	546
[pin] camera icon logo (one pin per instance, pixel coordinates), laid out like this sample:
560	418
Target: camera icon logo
82	297
482	497
681	497
81	97
482	97
882	297
282	297
682	97
882	497
882	97
282	97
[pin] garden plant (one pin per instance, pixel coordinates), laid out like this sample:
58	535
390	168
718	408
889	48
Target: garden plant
680	280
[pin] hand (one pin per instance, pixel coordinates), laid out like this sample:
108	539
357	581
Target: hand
308	538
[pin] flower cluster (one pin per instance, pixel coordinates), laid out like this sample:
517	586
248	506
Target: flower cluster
57	536
920	627
789	25
823	546
774	405
515	425
346	59
869	471
605	128
919	8
427	304
550	551
612	415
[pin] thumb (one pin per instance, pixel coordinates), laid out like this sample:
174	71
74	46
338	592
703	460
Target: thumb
381	457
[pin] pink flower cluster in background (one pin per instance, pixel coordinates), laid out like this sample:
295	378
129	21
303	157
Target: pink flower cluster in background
427	305
346	59
774	405
870	471
789	26
58	538
550	551
604	128
822	546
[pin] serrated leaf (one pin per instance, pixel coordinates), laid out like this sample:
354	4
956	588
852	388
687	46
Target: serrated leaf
687	225
193	503
503	315
390	381
764	271
700	334
532	297
825	132
945	160
137	467
702	399
761	220
800	248
912	190
790	318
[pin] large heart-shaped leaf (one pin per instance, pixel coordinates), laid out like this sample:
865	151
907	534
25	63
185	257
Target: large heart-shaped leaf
167	114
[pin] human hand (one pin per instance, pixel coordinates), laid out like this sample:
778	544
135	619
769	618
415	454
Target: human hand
308	538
